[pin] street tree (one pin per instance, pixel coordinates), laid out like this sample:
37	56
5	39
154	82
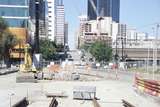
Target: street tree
48	49
101	52
7	42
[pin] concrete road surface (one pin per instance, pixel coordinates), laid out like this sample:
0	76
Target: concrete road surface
110	92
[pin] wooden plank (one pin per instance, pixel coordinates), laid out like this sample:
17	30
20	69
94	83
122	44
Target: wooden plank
95	103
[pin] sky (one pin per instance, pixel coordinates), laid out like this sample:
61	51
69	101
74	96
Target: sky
140	14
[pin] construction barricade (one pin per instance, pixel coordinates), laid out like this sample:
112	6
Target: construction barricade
151	87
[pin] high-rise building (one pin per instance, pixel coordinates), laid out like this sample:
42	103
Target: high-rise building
104	8
92	9
51	19
42	16
42	6
60	22
66	33
115	10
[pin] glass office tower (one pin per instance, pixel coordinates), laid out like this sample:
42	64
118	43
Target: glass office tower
42	9
115	10
15	12
104	8
92	15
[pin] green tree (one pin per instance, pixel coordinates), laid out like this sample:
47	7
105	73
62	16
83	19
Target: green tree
48	49
3	27
7	41
85	47
101	52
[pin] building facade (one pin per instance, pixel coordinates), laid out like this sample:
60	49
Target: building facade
92	7
89	34
42	17
104	8
51	5
15	12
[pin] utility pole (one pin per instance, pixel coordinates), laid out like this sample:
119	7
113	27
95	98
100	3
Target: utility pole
153	54
36	38
122	49
155	51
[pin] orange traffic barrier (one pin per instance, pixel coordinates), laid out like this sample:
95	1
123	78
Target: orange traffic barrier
150	87
54	68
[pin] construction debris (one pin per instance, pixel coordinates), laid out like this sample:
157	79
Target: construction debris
62	94
84	92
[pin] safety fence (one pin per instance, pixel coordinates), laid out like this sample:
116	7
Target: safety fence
151	87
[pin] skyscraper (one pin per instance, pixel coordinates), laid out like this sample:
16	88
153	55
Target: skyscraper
92	9
115	10
60	22
42	19
104	8
32	10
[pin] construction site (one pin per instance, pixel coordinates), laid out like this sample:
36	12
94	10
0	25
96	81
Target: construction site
78	86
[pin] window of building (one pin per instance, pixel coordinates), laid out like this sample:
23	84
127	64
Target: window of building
14	12
14	2
17	22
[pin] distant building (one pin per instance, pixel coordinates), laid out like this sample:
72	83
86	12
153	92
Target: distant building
90	34
82	24
103	8
66	33
60	22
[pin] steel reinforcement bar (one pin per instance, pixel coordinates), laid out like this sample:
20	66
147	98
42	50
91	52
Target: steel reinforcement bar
53	103
95	103
127	104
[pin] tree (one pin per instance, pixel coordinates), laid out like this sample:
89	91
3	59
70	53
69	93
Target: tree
7	41
101	51
85	47
48	49
3	27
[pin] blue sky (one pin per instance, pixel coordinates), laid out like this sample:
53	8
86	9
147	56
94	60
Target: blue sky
140	14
